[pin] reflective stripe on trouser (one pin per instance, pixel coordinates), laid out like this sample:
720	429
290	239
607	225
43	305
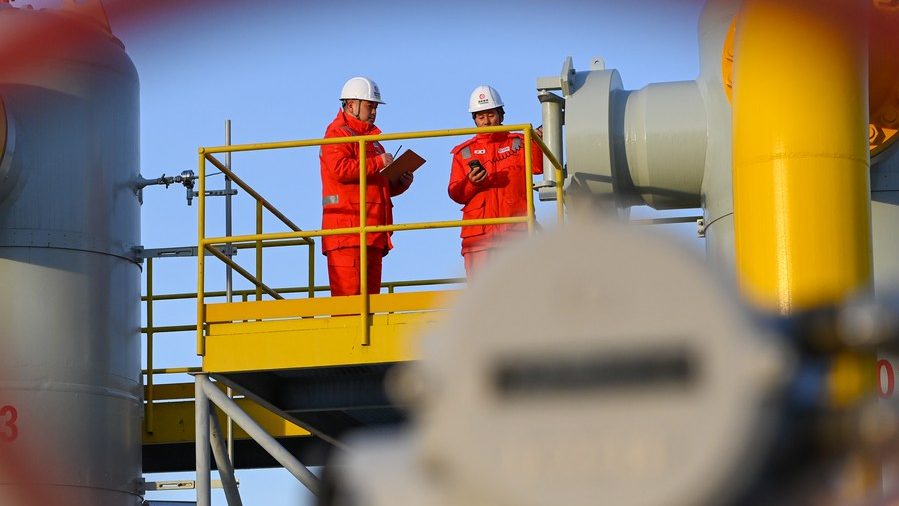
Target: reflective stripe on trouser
343	271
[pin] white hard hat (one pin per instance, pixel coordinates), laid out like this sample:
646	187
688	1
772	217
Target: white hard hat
484	98
361	88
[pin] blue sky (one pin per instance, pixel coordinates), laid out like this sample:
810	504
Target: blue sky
275	69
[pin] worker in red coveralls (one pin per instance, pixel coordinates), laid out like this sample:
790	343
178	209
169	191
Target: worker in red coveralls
360	98
488	179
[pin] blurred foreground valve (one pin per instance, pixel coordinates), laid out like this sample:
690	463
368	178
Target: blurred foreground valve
638	381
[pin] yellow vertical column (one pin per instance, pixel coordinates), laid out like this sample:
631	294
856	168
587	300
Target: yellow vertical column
800	158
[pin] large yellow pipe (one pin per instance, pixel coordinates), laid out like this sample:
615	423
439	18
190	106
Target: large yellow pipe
800	158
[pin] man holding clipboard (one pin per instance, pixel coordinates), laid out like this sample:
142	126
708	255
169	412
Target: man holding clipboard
360	99
402	166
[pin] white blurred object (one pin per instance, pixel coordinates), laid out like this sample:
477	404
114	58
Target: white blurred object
639	381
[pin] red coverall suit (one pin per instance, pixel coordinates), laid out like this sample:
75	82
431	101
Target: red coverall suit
340	205
501	194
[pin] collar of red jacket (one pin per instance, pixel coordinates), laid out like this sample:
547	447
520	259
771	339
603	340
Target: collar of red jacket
360	127
493	137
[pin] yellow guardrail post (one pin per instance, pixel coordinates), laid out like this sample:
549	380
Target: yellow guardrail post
529	181
201	251
560	204
311	283
149	375
363	247
259	249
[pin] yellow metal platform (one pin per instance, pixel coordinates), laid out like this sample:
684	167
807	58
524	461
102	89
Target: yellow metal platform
307	368
301	333
300	371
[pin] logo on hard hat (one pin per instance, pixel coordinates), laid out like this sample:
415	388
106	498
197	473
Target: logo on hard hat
377	92
481	96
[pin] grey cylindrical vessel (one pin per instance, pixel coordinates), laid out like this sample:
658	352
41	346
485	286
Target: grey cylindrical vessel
70	389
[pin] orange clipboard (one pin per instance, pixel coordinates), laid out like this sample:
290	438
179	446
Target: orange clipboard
409	161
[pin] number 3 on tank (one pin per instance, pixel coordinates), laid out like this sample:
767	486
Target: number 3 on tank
8	429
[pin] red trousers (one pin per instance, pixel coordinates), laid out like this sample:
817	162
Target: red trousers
475	260
343	271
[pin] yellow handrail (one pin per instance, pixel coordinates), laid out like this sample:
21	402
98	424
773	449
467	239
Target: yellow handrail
296	237
245	294
211	243
235	148
259	239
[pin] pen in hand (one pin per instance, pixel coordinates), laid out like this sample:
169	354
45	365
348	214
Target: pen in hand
398	151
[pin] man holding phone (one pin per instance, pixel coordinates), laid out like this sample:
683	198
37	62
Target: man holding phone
488	179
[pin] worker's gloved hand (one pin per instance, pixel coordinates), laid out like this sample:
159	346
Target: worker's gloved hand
406	179
387	158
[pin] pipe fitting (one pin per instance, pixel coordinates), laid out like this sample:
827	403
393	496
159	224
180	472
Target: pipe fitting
628	147
875	135
553	112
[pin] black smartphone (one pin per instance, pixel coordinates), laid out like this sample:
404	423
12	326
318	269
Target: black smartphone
475	165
